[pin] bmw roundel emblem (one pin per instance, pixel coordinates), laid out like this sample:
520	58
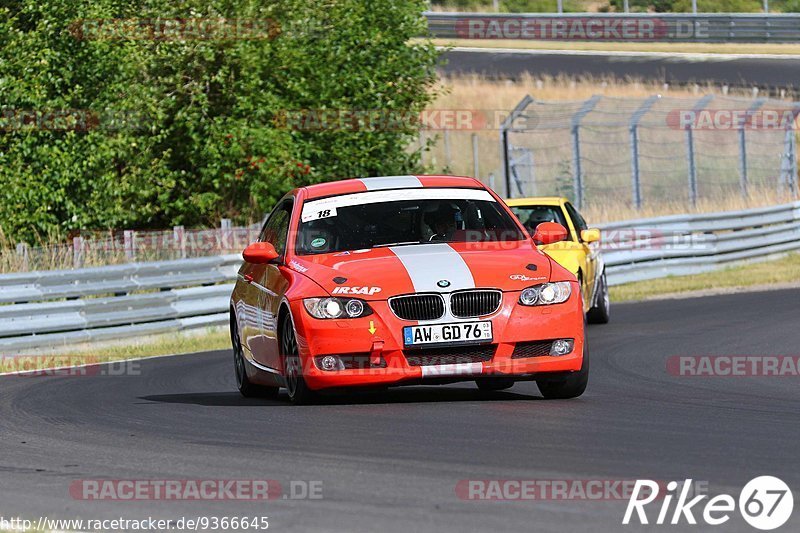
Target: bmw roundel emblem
443	283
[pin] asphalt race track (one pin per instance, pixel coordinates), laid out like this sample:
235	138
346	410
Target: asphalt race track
391	461
736	71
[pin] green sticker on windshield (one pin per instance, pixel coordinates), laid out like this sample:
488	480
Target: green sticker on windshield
316	243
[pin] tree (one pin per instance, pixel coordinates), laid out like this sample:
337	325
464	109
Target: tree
101	127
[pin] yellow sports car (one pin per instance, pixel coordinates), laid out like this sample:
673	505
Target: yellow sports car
579	253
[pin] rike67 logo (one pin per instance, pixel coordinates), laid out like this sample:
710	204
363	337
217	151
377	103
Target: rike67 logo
765	503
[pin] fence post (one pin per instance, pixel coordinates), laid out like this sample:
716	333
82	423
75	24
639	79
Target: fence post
636	184
22	251
741	127
577	173
699	106
225	235
692	167
505	156
447	153
789	169
77	252
794	164
129	238
475	158
179	238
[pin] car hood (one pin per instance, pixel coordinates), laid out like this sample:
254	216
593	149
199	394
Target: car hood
379	273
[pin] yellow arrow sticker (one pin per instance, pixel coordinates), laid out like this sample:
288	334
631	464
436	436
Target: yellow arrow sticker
372	328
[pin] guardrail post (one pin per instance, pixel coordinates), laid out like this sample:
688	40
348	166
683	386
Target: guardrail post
636	184
475	158
577	173
129	238
77	252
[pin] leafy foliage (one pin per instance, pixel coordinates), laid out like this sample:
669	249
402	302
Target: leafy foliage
155	132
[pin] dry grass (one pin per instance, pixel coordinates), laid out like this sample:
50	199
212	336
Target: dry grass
785	271
476	91
599	46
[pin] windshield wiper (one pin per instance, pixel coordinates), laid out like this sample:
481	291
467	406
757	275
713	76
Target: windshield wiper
403	243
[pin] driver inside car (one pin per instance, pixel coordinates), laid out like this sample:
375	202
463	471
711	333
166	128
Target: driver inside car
443	222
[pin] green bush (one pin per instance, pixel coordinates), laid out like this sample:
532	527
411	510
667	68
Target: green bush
184	131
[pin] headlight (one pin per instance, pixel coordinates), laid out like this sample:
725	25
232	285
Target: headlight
546	294
336	307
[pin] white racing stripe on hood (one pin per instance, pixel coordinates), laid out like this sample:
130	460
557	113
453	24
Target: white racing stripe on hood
427	264
390	182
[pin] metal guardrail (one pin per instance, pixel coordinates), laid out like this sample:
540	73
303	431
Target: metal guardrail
637	250
148	298
53	308
661	27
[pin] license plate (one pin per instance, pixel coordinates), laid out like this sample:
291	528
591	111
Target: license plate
457	333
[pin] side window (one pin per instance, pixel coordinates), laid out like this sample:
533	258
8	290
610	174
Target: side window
277	227
577	219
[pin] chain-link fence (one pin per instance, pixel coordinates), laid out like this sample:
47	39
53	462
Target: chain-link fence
651	150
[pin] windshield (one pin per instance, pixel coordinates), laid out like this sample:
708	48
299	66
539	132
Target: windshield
532	216
396	218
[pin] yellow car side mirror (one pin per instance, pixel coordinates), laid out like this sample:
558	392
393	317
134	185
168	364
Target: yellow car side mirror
590	235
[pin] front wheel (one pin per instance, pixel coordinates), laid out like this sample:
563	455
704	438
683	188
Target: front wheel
569	385
296	387
601	311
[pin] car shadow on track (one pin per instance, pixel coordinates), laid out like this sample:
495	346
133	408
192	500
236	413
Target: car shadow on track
436	394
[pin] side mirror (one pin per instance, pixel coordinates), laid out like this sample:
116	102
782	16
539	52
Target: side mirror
590	235
549	232
260	253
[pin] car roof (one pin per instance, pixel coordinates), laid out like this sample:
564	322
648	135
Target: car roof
349	186
537	200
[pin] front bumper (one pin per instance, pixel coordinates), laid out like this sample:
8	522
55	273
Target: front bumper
377	341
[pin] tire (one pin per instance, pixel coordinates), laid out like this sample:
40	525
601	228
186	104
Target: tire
601	312
245	386
296	386
569	385
494	384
